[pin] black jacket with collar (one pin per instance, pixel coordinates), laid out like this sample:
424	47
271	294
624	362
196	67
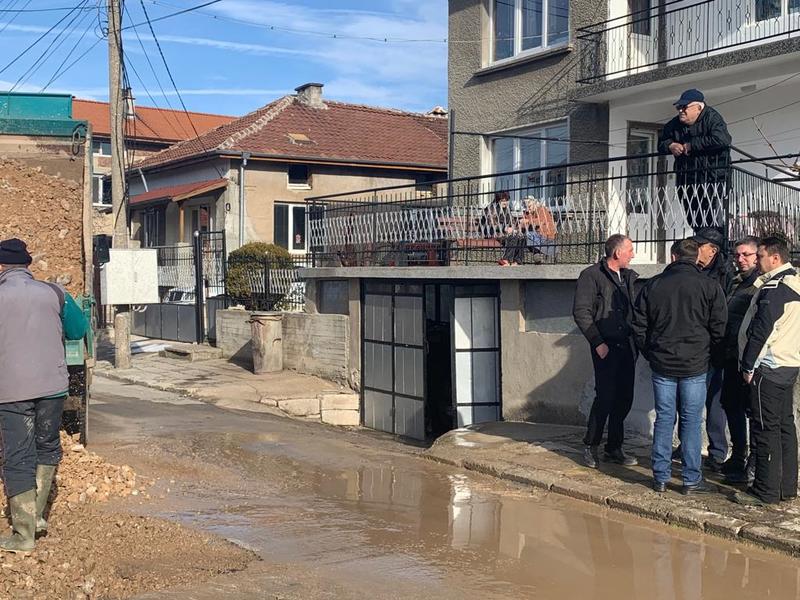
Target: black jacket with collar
678	319
603	304
739	298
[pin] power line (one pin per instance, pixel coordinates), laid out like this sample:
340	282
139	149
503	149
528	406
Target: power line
174	86
313	32
158	82
39	39
169	16
54	45
18	11
58	70
14	18
72	64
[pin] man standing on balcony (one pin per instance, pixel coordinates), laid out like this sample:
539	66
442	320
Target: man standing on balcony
602	310
770	362
678	317
698	138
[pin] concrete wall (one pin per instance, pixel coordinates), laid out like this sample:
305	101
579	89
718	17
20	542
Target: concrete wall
314	344
522	93
317	345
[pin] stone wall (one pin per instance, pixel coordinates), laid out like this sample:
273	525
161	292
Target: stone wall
233	335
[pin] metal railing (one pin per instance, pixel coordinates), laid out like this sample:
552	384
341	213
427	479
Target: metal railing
559	214
269	283
677	31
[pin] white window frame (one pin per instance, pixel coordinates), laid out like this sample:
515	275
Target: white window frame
100	144
299	186
98	185
290	226
534	131
518	51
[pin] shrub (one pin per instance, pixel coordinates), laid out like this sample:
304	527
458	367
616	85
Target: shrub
248	262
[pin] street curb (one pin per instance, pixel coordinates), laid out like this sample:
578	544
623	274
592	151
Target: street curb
686	517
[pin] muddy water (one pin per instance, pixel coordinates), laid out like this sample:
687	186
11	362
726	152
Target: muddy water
363	512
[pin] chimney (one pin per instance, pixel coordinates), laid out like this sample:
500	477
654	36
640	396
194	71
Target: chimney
438	111
310	94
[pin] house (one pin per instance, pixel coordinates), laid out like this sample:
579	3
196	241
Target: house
147	130
555	107
250	177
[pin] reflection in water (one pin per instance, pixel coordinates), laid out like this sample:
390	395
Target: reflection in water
407	520
551	545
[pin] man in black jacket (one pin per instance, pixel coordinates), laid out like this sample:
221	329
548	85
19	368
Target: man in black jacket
602	310
698	138
735	393
678	317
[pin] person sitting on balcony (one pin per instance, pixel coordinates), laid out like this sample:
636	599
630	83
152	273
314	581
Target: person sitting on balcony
698	138
497	216
513	247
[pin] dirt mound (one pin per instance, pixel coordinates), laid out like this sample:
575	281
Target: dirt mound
90	553
45	211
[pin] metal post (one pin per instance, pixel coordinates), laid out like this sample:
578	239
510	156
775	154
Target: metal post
267	291
198	288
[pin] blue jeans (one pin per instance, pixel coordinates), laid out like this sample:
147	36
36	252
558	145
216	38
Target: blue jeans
692	392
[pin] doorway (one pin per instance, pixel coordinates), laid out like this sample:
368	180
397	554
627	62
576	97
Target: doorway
430	357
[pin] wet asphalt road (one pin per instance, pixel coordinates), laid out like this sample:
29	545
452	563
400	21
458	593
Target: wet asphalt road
352	515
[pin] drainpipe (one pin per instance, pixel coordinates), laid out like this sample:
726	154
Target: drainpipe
243	164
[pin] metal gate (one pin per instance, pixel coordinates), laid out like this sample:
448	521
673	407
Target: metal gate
393	351
191	287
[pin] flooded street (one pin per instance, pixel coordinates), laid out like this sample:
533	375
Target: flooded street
337	514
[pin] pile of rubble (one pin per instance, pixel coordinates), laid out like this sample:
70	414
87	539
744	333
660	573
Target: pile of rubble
46	211
90	552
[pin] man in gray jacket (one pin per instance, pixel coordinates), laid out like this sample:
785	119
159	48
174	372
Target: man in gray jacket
34	320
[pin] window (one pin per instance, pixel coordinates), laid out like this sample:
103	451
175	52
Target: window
520	26
774	9
299	176
541	149
640	16
290	227
641	170
101	148
101	190
200	219
153	227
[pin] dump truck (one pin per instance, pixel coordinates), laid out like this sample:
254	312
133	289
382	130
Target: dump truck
46	200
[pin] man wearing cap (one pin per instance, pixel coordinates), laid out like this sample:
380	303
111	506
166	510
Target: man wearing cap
35	319
698	138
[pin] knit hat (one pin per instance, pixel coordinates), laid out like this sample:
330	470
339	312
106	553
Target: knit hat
14	252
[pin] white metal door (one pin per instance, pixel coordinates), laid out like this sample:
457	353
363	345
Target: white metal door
476	372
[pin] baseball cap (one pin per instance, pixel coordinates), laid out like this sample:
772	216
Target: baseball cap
709	235
690	96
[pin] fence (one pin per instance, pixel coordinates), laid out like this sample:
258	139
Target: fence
550	215
677	31
269	283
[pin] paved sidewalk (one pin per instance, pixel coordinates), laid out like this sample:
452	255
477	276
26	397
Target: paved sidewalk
219	380
549	457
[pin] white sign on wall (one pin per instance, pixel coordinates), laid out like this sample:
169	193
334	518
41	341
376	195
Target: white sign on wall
130	277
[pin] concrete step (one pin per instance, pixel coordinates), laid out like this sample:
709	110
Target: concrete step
191	352
339	401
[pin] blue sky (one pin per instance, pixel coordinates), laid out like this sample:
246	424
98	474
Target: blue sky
236	55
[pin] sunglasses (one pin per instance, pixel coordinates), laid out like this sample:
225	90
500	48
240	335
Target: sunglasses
743	254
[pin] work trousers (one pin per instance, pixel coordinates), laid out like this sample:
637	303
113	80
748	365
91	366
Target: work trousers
735	402
29	435
613	382
774	438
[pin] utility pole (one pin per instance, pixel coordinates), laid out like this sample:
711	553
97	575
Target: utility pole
122	324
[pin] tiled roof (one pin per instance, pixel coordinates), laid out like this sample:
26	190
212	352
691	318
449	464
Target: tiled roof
179	192
154	124
289	128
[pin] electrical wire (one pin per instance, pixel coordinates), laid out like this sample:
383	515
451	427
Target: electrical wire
14	18
175	87
169	16
72	50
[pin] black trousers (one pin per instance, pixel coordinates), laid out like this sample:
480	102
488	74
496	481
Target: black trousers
735	403
29	434
613	382
774	438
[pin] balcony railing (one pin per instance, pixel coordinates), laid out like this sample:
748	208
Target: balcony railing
679	31
536	217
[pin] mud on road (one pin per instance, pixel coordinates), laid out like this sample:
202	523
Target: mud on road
96	549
